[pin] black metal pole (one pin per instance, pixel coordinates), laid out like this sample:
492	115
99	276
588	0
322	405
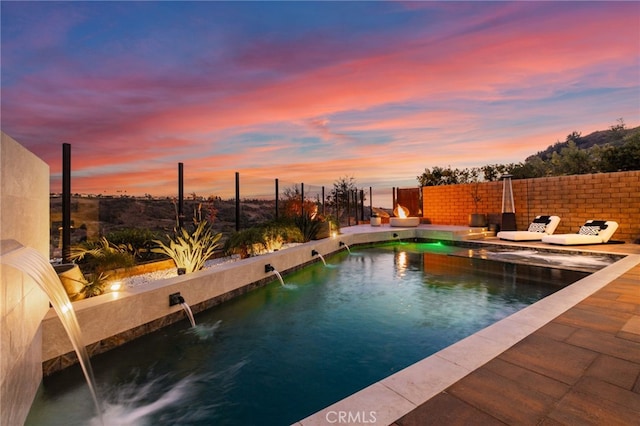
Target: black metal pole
237	201
393	189
348	194
66	203
356	206
180	195
370	201
362	205
323	204
277	198
302	199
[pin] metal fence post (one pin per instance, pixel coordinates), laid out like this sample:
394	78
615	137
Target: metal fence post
276	216
66	202
180	195
237	201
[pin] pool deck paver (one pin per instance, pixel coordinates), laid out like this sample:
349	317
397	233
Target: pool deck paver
583	367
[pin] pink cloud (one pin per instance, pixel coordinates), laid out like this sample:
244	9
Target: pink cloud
454	89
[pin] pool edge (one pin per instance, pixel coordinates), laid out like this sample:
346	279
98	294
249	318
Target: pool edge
389	399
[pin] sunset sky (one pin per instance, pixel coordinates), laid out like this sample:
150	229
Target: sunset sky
307	91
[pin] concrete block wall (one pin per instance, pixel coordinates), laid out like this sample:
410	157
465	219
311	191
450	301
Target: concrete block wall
24	217
576	199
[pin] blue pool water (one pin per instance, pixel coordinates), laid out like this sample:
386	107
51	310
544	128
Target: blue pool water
279	354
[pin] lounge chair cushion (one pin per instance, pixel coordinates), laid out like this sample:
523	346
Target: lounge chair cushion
593	227
541	225
592	232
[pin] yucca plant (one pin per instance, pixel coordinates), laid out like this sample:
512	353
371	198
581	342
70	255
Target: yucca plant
309	226
190	250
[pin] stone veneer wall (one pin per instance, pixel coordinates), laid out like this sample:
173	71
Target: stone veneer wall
576	199
24	217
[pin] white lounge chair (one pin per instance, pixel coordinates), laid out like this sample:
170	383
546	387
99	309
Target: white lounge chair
592	232
541	226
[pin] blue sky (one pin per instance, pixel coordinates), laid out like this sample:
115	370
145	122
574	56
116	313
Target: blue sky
308	91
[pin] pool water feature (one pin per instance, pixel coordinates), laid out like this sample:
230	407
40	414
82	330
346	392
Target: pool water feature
278	354
587	263
31	262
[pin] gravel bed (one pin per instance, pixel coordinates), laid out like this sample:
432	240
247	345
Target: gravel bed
138	280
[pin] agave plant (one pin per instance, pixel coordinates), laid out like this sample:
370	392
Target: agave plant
96	284
190	250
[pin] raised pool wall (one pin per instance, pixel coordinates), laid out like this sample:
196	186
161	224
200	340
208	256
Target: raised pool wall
576	199
114	318
24	217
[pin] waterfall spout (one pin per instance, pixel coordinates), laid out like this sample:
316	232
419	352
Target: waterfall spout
268	268
341	244
177	299
315	253
32	263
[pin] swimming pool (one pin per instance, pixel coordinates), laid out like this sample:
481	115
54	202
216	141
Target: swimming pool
280	353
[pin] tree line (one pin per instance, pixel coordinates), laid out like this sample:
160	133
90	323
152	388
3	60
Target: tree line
613	150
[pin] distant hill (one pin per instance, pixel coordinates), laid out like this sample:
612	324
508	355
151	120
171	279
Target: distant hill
98	216
614	136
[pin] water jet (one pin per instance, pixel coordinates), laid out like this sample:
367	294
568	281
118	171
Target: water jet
269	268
341	244
177	299
315	253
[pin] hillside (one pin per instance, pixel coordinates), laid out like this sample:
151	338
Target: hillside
615	136
98	216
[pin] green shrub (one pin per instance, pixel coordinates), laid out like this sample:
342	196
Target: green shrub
138	242
247	242
263	238
101	256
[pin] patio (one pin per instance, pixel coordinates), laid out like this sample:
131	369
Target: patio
583	367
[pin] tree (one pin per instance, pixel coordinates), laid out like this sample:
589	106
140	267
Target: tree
571	161
344	192
292	203
493	172
533	167
574	137
618	129
440	176
611	158
342	188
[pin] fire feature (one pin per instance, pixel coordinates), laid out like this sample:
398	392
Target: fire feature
401	218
